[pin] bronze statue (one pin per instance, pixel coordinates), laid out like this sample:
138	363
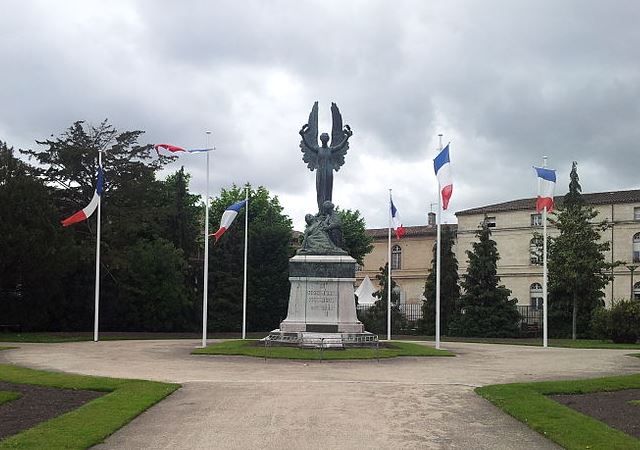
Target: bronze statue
324	159
323	234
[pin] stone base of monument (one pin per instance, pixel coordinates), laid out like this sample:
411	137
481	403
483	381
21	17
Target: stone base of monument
321	300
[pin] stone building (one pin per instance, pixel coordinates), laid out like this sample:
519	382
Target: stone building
513	225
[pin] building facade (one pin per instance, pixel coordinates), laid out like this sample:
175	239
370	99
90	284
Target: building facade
513	225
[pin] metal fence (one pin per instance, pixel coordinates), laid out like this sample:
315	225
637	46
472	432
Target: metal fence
530	317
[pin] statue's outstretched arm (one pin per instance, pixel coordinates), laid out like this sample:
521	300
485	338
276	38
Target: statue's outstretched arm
347	134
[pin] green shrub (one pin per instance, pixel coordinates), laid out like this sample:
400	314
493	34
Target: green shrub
625	321
601	323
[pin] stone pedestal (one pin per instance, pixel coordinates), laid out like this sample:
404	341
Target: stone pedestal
321	298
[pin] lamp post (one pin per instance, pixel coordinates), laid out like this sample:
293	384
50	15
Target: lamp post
632	268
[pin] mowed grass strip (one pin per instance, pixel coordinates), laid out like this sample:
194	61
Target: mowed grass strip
91	423
255	349
528	402
8	396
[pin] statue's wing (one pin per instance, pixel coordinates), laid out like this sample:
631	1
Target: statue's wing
339	137
337	133
337	156
309	142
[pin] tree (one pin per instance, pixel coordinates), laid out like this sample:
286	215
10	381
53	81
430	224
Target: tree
485	307
449	287
578	271
183	215
375	318
36	256
355	239
268	263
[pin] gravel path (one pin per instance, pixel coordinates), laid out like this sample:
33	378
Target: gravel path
238	402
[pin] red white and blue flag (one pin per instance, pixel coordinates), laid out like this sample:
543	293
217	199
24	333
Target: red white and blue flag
175	148
546	186
228	217
395	217
442	166
85	213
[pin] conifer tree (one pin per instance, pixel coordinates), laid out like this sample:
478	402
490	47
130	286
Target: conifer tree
485	307
578	271
449	287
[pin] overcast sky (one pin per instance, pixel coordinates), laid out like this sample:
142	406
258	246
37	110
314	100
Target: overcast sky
505	81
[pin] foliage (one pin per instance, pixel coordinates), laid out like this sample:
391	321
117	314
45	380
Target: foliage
578	271
91	423
375	317
355	239
485	307
268	259
621	323
449	287
250	348
528	402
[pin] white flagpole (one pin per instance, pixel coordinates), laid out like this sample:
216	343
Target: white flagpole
544	271
96	316
244	286
438	251
389	275
205	284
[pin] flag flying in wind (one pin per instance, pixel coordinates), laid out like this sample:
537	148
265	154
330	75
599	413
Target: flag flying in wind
228	216
175	148
442	166
85	213
397	223
546	186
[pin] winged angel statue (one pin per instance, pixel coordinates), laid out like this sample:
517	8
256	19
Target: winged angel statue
324	159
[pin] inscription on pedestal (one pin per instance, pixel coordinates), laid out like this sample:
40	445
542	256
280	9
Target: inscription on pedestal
322	300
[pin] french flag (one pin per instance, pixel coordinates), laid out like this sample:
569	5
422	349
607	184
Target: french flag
442	166
397	223
546	186
175	148
228	217
85	213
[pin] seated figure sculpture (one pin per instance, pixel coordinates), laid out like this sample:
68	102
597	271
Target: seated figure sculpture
323	233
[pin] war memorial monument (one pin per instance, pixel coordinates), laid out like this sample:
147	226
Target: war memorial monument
322	274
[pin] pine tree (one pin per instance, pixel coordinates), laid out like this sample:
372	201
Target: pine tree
449	287
375	318
485	307
578	271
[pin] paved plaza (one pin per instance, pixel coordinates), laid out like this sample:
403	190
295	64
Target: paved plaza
246	403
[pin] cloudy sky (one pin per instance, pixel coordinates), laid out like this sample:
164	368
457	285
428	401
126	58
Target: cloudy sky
506	82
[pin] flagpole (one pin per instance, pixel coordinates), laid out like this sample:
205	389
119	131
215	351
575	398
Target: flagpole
205	284
438	235
544	271
389	274
96	318
246	240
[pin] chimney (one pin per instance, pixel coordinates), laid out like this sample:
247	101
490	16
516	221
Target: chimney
431	219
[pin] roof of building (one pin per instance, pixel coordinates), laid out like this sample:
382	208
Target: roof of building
596	198
419	230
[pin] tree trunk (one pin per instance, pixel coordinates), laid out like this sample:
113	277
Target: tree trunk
575	315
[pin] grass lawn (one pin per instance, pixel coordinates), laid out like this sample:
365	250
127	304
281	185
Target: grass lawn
248	348
528	403
5	348
91	423
7	396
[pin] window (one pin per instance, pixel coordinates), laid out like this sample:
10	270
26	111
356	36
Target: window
636	291
535	251
636	213
536	220
396	257
636	247
490	221
535	295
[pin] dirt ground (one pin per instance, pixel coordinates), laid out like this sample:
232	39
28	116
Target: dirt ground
612	408
38	404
